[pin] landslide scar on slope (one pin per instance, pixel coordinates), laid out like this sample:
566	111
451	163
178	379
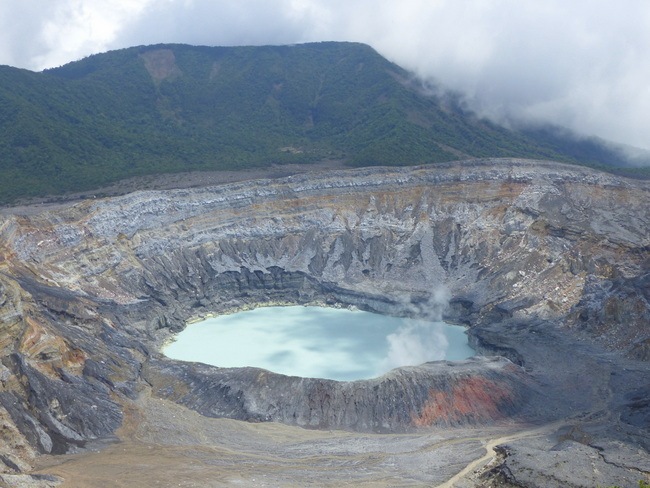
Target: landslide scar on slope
161	64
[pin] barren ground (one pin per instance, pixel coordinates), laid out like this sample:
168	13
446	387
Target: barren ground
175	446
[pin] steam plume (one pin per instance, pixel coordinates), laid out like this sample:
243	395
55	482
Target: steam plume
420	341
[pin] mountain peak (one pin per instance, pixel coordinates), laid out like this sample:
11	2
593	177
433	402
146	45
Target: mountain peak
174	108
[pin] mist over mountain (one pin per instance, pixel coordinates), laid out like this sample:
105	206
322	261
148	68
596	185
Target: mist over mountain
545	264
174	108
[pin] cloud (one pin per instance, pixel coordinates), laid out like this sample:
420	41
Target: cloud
244	22
37	34
21	24
582	64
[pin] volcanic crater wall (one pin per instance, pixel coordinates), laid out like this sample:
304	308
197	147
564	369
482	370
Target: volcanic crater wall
90	292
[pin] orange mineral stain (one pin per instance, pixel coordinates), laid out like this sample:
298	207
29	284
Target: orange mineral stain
474	399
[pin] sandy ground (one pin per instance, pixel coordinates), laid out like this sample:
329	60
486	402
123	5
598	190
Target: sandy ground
164	444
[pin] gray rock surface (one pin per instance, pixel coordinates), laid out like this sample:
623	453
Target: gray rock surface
547	264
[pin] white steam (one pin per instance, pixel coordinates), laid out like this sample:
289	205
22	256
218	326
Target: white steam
420	341
415	343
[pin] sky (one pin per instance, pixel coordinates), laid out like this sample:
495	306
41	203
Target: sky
582	64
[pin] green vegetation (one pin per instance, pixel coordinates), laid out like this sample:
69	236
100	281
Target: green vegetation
642	484
173	108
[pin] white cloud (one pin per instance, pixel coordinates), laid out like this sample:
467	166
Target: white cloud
581	63
77	28
244	22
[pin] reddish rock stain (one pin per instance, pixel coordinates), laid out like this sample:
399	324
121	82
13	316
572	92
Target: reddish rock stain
471	399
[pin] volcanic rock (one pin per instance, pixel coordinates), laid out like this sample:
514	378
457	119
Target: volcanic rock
546	263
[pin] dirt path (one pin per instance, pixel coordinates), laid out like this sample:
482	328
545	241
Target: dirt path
491	455
604	398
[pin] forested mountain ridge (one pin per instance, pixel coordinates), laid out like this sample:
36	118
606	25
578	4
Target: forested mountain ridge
173	108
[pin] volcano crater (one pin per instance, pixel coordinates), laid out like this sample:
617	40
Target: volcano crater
545	263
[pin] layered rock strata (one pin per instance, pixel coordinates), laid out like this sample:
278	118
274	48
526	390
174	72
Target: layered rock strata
539	259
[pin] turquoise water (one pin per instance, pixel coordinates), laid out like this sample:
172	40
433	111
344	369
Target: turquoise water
318	342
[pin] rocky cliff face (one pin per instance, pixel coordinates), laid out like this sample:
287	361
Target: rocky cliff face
534	257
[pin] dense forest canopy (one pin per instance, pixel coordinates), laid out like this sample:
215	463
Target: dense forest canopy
174	108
